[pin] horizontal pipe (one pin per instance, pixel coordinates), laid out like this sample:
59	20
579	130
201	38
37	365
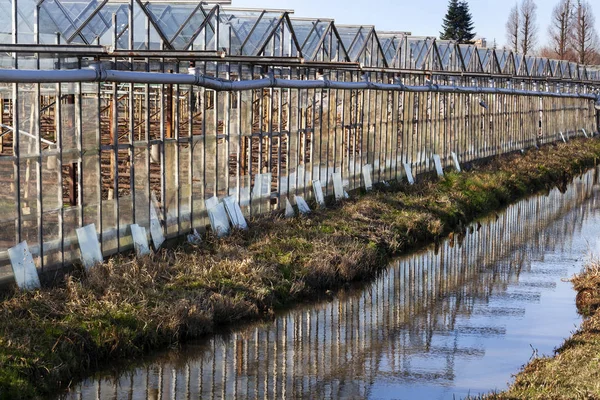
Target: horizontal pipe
48	76
96	74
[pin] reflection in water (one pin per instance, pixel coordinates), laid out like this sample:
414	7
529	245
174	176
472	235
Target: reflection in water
411	333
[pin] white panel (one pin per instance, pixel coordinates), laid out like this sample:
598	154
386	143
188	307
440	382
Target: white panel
438	165
320	173
266	185
303	177
194	237
318	189
235	213
140	240
292	180
89	246
338	186
23	267
155	229
212	202
409	175
302	206
245	196
283	185
289	210
456	163
366	171
257	188
218	219
262	186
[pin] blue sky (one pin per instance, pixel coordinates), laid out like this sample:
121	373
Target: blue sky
421	17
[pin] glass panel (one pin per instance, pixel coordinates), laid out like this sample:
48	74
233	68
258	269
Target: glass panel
141	187
262	30
27	127
530	62
541	67
5	21
190	30
26	21
171	184
71	222
51	233
390	43
177	21
350	35
485	58
63	16
519	64
104	19
205	38
309	35
90	166
198	217
8	208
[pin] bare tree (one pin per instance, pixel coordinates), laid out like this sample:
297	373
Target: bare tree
560	28
513	28
585	37
529	27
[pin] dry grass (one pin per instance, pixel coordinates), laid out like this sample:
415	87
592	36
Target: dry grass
128	306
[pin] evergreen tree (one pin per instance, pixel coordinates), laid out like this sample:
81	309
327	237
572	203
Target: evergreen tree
458	23
450	21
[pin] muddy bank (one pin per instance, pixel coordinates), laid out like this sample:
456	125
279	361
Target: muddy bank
127	307
572	373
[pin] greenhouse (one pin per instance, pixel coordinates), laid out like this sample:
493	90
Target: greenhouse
116	113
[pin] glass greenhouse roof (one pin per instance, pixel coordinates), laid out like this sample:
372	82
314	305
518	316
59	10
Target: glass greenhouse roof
180	25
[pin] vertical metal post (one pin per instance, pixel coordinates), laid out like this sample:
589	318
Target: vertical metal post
177	155
227	103
132	115
15	123
191	143
114	123
98	143
72	168
59	146
38	134
78	166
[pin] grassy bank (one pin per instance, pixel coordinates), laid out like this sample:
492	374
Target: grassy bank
128	306
574	371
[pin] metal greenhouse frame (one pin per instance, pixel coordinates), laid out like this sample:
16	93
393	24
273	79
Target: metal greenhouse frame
120	112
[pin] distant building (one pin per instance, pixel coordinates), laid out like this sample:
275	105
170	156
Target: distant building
481	42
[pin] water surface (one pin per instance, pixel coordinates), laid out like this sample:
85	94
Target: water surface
455	319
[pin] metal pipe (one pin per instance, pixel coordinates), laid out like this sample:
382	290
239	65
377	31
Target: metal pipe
97	74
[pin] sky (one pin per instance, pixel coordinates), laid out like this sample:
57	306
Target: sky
421	17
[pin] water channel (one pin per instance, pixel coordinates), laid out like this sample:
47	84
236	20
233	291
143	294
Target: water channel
455	319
